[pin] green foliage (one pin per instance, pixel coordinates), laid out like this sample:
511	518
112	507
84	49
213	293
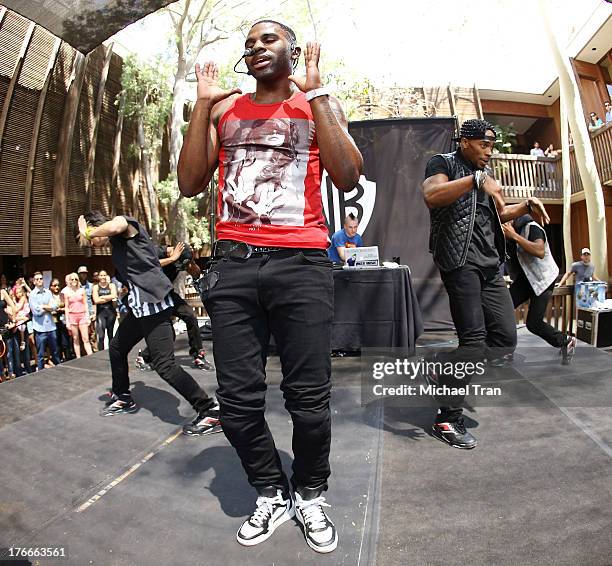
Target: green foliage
147	96
198	232
506	138
349	88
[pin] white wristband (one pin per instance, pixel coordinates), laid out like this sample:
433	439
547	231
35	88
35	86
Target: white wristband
323	91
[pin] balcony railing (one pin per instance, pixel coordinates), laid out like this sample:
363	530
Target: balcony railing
522	176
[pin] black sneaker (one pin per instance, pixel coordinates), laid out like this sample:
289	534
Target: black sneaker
118	406
568	350
207	422
319	531
202	363
141	364
273	509
454	434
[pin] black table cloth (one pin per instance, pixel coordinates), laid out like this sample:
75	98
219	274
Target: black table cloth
375	308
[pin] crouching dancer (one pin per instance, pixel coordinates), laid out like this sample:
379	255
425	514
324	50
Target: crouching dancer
150	309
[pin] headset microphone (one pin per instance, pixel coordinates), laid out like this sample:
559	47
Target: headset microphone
247	53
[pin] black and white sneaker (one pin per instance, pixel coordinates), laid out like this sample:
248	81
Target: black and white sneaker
454	434
319	531
207	422
117	406
202	363
568	350
273	509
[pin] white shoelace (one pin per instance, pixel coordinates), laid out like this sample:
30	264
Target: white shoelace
265	508
313	514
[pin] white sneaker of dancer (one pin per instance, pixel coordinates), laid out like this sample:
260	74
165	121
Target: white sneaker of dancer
319	531
269	514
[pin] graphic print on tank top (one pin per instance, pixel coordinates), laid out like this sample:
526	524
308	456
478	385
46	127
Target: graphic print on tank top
265	163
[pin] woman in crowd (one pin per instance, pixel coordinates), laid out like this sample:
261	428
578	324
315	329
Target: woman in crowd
62	334
77	313
21	314
104	295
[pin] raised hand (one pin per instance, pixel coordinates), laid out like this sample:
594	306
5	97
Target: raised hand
177	251
312	79
538	212
208	87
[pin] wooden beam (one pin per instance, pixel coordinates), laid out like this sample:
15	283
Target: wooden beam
27	198
64	153
580	89
451	100
14	78
117	156
478	103
91	158
511	108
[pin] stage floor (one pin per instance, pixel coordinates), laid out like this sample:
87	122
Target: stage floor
131	490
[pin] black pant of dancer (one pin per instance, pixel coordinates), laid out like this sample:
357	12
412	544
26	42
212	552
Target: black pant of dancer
288	294
159	336
521	292
483	314
183	311
105	324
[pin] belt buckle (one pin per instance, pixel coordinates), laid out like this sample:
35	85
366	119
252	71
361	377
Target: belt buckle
240	250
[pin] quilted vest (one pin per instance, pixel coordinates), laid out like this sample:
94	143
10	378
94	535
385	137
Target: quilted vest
451	226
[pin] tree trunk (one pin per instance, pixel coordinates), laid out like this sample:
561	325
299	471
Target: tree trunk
146	166
176	140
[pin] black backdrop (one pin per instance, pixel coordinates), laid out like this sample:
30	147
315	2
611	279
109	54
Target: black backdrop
389	201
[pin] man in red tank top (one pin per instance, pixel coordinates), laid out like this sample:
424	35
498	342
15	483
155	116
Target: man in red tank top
270	273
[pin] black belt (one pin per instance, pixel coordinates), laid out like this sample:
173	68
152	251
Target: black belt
241	250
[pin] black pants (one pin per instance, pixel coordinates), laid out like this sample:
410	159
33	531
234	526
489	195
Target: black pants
64	342
105	323
521	292
183	311
483	314
288	294
158	334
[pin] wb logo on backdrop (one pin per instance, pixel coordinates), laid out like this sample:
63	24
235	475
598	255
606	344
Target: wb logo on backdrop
337	204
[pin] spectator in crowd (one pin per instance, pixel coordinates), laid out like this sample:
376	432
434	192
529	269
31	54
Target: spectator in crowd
3	282
550	151
77	313
21	314
536	150
88	286
41	305
61	331
4	333
583	269
104	296
18	360
608	111
594	122
344	239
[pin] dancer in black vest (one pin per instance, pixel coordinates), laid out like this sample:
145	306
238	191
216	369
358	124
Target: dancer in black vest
150	310
467	242
173	261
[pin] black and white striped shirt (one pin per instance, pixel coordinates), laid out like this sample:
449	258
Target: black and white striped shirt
142	308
